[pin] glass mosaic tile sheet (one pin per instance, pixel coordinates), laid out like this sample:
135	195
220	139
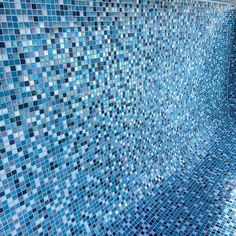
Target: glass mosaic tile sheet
102	103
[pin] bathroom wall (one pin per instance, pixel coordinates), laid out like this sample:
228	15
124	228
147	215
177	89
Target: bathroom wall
101	101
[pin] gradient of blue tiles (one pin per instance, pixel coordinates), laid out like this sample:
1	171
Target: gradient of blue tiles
102	102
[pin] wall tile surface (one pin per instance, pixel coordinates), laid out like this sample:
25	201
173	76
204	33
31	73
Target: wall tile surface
101	101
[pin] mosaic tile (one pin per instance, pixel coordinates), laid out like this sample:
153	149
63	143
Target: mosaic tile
231	79
199	203
110	111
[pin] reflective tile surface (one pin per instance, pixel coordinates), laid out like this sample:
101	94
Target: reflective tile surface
107	107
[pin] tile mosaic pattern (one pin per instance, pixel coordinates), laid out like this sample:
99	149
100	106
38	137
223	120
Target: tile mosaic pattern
102	102
200	202
232	75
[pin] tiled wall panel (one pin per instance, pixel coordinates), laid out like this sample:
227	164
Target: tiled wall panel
232	74
100	102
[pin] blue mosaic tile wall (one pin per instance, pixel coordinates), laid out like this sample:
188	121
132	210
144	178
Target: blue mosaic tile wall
232	74
101	101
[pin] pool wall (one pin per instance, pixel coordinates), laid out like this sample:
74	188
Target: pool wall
232	74
102	101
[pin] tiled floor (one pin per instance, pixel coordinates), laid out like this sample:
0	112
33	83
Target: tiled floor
203	203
